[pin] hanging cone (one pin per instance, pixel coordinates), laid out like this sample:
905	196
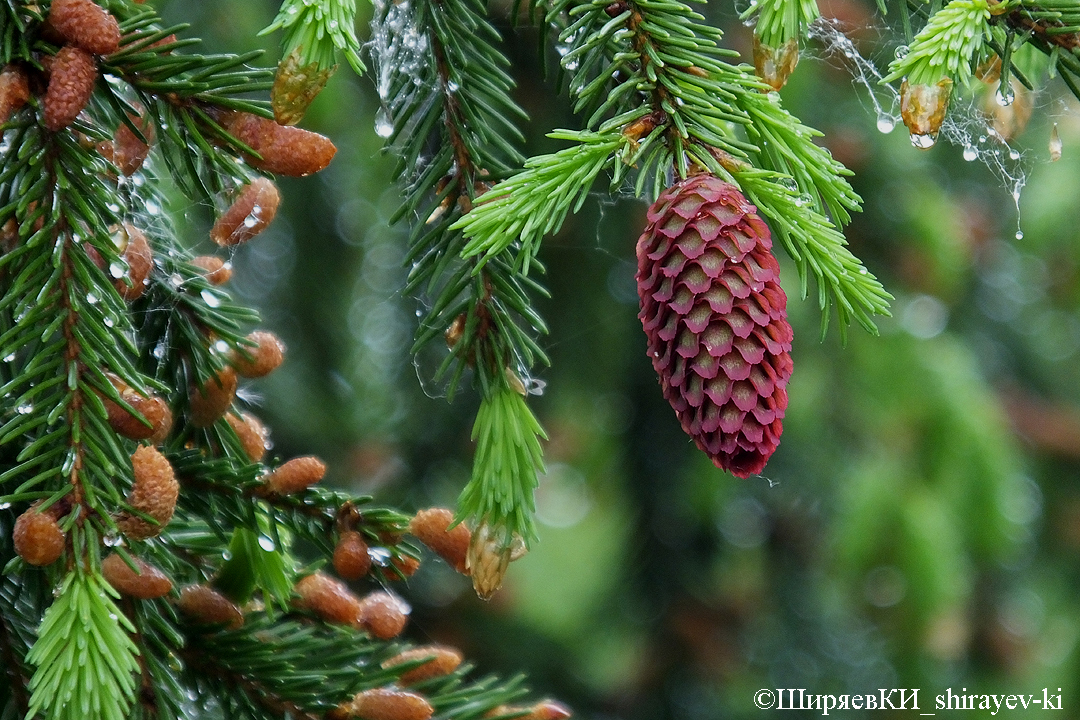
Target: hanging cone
715	316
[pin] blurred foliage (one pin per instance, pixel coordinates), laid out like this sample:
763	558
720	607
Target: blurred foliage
920	523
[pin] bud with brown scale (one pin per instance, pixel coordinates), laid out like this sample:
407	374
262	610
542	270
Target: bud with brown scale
250	213
295	86
489	557
85	24
383	615
452	545
71	83
351	559
14	91
215	270
206	606
153	493
386	704
251	433
152	408
208	404
140	261
543	710
328	598
129	151
406	565
261	360
37	537
282	149
296	475
438	660
145	584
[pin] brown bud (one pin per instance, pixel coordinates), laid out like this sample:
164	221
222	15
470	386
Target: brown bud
153	493
215	270
207	606
295	86
439	660
543	710
283	150
351	559
328	598
388	704
296	475
147	583
456	330
37	537
406	564
215	397
140	262
14	91
252	434
129	152
265	357
383	615
430	527
488	558
85	24
71	83
153	409
774	65
250	213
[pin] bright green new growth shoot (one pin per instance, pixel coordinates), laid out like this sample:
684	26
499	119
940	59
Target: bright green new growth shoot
946	46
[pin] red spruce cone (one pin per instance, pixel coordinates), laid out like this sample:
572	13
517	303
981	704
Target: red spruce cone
715	316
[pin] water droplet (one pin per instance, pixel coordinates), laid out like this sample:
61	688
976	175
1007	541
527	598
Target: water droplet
333	24
109	322
226	556
152	207
117	269
112	540
885	124
1005	97
266	543
5	505
379	556
863	271
923	142
902	51
1055	144
176	281
250	221
535	387
384	127
221	346
9	358
1014	155
789	184
210	298
158	351
970	153
452	87
1019	234
91	298
25	409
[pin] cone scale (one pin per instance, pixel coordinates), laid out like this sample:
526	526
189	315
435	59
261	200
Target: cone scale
716	320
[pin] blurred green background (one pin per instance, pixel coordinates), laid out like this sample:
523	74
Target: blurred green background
920	524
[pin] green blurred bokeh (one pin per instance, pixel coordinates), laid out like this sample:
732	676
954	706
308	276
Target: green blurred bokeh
920	524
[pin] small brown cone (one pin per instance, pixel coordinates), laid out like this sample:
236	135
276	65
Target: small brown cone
351	559
153	493
153	408
14	91
430	527
250	213
438	660
71	82
296	475
265	357
252	434
37	537
86	24
129	152
207	606
146	584
140	261
215	397
388	704
284	150
215	270
328	598
384	615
